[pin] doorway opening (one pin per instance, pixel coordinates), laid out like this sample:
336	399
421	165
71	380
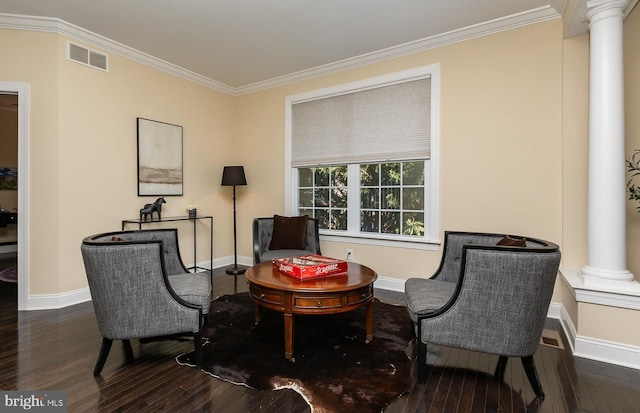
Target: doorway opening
20	90
8	201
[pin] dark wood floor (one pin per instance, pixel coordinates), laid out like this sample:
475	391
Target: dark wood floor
57	349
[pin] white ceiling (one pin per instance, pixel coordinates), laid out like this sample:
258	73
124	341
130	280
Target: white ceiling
243	42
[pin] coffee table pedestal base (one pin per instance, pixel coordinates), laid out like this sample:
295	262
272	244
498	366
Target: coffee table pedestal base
312	303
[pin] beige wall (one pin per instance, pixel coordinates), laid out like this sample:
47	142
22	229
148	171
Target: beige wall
98	137
632	126
501	124
575	150
33	58
83	151
501	91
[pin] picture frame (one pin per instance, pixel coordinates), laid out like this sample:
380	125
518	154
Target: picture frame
160	158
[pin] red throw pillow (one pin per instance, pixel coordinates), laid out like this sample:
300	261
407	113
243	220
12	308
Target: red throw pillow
289	233
513	242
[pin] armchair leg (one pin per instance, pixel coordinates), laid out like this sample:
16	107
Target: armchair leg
532	375
128	351
501	367
197	347
102	358
421	362
421	359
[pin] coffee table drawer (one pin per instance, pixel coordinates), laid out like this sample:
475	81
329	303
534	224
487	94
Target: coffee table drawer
323	302
267	296
359	296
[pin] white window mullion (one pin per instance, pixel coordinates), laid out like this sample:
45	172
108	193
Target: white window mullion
294	202
354	198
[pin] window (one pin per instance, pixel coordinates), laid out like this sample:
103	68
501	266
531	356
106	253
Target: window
362	157
392	198
323	195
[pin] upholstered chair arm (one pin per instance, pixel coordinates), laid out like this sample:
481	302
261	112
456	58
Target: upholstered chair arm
262	232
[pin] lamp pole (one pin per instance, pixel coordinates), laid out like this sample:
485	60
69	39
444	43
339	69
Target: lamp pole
235	270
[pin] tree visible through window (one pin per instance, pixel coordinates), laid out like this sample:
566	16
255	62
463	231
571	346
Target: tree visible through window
392	198
323	195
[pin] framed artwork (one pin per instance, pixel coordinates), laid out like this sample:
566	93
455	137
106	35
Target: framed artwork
160	170
8	179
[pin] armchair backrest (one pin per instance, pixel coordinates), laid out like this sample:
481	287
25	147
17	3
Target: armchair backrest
169	237
450	263
130	290
263	231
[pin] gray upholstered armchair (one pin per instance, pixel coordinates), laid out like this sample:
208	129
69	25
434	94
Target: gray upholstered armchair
140	289
263	234
486	297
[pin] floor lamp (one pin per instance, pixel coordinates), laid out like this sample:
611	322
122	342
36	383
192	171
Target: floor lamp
232	176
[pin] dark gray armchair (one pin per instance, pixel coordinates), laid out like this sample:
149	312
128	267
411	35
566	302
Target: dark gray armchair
486	297
141	289
262	235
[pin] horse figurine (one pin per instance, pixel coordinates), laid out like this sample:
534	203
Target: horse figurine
149	209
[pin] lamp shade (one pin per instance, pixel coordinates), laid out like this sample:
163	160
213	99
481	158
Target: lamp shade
233	175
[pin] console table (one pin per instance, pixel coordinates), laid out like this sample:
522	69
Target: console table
140	223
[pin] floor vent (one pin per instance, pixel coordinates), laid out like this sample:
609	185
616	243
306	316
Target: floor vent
551	338
87	57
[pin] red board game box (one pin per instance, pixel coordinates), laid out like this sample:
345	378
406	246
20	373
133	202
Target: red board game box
310	266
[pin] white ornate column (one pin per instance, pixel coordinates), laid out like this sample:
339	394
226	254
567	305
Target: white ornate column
607	261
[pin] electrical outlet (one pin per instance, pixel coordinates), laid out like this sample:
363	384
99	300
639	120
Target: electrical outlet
349	254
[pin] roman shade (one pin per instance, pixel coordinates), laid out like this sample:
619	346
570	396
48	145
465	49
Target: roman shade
385	123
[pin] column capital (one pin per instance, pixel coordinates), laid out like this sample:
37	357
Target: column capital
599	9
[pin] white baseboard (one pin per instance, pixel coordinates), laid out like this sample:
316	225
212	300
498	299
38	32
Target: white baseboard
226	261
391	284
56	301
66	299
592	348
607	351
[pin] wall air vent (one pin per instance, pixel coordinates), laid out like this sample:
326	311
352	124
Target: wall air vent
87	57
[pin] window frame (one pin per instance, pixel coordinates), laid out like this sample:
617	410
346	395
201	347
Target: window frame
430	240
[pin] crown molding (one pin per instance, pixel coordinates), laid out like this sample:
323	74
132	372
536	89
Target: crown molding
54	25
577	22
514	21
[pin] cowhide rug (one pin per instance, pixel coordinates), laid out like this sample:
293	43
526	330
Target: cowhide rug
334	370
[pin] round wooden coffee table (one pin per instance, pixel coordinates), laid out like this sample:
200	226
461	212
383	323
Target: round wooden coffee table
317	296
